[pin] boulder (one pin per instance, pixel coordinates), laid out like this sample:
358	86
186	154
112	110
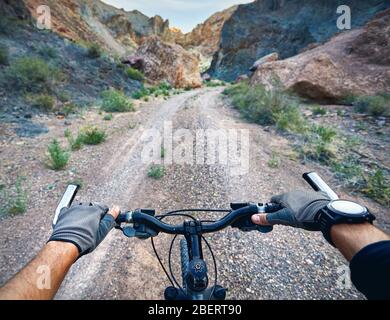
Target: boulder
241	78
284	26
206	77
354	62
170	62
135	62
268	58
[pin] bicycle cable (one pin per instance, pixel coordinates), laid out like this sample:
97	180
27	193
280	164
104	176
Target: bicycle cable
174	281
160	262
215	267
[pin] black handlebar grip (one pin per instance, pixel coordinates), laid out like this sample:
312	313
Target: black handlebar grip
122	218
273	207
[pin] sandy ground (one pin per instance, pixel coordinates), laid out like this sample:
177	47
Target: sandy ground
285	264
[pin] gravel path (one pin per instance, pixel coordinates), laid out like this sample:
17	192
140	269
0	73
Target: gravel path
285	264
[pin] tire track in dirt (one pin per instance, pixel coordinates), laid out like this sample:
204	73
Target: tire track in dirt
121	179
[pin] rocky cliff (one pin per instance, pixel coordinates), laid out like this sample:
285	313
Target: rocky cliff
205	37
355	62
283	26
165	61
91	20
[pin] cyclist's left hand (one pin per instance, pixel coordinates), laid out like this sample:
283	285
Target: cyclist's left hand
85	226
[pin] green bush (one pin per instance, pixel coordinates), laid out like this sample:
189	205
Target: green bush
156	171
378	187
74	144
30	74
44	102
318	110
373	105
58	157
69	108
165	85
214	83
4	55
134	74
266	107
63	96
116	101
274	162
92	135
108	117
350	171
94	50
318	144
142	93
14	201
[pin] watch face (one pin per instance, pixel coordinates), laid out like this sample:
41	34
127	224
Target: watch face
347	207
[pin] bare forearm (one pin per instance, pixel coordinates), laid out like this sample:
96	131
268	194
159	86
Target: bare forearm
42	277
351	238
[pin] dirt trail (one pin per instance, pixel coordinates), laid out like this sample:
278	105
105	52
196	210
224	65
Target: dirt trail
285	264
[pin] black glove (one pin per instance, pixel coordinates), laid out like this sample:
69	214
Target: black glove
301	209
83	225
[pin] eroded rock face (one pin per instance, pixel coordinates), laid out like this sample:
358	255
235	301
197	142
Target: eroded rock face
14	8
283	26
206	36
354	62
92	20
168	61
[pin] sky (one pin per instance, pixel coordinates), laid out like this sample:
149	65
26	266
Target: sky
184	14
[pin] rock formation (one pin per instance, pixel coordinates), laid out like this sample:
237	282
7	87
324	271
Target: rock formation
206	36
354	62
170	62
282	26
115	29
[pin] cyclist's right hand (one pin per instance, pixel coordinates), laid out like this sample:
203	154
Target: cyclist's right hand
300	210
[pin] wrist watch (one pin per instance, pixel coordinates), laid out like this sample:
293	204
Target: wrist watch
342	212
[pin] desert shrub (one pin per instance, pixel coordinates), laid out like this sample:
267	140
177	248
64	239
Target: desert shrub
156	171
63	96
274	161
373	105
92	135
94	50
134	74
74	144
69	108
318	144
214	83
266	107
30	74
318	110
165	85
14	200
4	55
44	102
116	101
350	171
378	187
108	117
58	157
141	94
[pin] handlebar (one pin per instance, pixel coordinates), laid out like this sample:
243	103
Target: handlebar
145	224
